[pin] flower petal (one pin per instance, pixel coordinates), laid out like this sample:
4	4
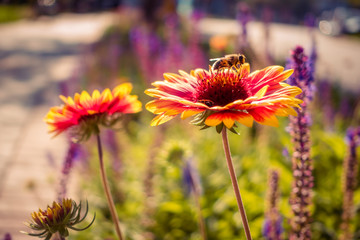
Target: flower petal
262	91
213	120
264	116
106	95
228	121
271	76
122	90
228	118
245	119
191	112
271	121
160	119
284	112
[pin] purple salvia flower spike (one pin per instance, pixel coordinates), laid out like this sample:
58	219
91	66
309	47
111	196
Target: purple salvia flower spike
138	38
191	178
73	153
349	182
148	48
192	185
272	228
301	196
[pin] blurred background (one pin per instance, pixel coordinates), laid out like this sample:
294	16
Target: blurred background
52	47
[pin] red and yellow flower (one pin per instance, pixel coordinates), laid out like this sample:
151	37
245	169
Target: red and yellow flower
223	97
86	112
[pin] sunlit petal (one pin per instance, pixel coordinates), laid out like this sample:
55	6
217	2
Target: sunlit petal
188	113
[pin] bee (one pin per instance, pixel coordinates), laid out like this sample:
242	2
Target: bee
228	61
207	102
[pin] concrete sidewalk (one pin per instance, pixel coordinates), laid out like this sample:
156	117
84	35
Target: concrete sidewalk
34	57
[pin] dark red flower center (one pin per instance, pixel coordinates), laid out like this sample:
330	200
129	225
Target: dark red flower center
221	88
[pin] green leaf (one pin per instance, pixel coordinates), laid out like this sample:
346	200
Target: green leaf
219	127
204	127
82	229
234	131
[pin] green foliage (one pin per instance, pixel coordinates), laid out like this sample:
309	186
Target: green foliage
9	13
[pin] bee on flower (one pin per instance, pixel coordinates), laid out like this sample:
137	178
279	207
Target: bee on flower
228	61
221	97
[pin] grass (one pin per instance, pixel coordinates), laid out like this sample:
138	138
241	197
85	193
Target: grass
11	13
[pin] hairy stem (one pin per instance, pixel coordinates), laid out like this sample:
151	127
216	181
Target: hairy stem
235	183
107	190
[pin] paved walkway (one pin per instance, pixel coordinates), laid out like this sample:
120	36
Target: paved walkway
34	57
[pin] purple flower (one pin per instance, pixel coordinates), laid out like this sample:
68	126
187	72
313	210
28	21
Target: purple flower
349	182
191	178
272	228
351	138
301	196
7	236
148	49
285	152
191	181
302	75
74	153
197	15
310	20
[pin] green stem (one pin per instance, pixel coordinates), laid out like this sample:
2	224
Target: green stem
235	183
107	190
200	216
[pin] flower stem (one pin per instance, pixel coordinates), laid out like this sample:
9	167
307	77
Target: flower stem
107	189
57	236
200	216
235	183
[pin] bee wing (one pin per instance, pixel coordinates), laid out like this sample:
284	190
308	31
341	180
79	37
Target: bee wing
214	59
